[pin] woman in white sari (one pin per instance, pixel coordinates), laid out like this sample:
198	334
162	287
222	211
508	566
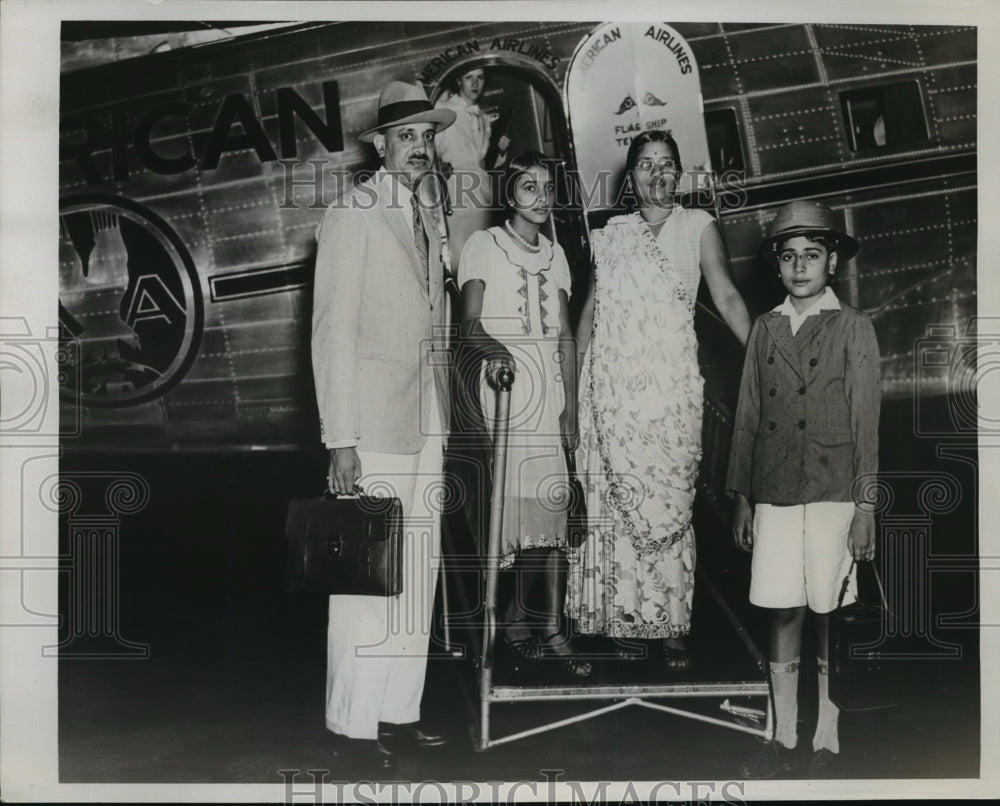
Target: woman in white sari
641	407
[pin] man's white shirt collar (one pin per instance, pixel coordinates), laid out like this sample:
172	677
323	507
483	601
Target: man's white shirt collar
827	302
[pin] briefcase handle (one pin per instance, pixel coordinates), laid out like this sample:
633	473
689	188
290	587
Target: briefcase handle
326	495
847	579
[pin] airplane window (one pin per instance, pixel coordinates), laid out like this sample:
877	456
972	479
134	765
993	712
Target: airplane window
724	140
887	115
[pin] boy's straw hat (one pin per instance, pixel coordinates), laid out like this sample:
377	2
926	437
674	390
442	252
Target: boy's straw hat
402	103
801	217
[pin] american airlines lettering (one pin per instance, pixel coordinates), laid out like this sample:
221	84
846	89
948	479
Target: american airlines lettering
237	127
675	47
507	44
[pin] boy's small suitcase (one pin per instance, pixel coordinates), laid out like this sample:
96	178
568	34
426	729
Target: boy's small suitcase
862	670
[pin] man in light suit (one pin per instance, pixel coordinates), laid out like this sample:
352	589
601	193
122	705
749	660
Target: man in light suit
381	369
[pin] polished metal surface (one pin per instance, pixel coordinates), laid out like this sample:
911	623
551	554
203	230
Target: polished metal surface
196	136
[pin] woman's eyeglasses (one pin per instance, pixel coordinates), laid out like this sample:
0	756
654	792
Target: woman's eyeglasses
646	164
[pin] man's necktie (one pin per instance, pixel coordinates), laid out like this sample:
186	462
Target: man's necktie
420	239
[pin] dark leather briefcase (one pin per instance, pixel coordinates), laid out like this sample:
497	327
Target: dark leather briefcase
347	545
862	670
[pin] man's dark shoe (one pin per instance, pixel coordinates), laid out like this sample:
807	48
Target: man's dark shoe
825	765
413	735
772	759
366	753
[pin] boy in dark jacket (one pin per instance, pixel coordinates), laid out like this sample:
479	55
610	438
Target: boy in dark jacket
806	433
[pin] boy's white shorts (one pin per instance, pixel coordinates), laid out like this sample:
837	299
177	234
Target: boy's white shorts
801	556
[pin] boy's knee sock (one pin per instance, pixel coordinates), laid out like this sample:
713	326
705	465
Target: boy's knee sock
785	683
826	721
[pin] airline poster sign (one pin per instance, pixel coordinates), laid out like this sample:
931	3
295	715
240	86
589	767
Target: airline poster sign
626	78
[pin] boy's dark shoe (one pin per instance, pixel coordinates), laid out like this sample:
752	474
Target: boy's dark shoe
825	764
773	758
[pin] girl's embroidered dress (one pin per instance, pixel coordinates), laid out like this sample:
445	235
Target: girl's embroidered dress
640	431
521	310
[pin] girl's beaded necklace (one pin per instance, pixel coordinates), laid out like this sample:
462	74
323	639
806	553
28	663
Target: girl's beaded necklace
514	234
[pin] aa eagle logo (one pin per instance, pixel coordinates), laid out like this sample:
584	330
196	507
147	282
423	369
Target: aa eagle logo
651	100
129	295
626	105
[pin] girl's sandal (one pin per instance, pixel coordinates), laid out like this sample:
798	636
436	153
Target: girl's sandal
525	648
570	663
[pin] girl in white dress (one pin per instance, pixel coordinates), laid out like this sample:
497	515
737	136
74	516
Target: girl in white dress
516	286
